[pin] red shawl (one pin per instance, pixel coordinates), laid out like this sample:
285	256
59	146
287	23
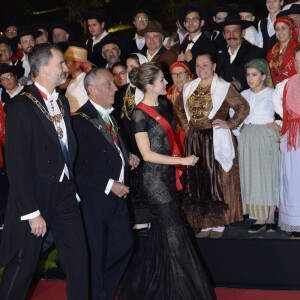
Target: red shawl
282	64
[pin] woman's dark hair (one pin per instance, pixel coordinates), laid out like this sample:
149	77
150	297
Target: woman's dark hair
211	55
119	64
135	57
144	74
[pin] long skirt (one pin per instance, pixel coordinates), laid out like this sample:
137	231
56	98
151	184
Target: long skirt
259	169
289	208
212	196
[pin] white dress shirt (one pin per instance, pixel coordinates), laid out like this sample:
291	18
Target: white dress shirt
190	45
251	35
270	29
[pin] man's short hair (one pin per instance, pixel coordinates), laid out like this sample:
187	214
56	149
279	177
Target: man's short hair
40	55
91	77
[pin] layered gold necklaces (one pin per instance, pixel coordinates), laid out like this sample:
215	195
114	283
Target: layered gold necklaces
54	119
128	105
200	103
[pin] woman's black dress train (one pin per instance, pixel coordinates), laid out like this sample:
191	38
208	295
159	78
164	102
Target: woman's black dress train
166	265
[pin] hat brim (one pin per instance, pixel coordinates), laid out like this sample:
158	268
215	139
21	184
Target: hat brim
80	60
292	11
10	69
143	31
244	24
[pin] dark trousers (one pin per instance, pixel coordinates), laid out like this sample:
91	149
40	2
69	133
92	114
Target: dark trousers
109	238
66	226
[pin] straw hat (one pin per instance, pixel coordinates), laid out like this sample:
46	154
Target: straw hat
76	53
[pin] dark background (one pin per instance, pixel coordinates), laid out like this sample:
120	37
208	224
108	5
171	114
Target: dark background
26	12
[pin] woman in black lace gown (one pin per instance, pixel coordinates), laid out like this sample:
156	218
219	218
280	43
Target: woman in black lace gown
166	266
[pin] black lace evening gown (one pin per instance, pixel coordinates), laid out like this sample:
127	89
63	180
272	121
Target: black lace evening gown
166	266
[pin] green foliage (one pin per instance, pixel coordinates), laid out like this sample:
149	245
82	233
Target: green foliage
48	262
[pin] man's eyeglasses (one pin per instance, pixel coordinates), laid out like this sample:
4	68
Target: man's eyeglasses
5	79
11	31
141	19
193	20
180	74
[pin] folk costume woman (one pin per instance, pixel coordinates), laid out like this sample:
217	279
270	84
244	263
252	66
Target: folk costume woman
286	103
258	150
181	74
212	197
280	57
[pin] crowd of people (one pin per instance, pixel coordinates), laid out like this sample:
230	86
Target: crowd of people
165	134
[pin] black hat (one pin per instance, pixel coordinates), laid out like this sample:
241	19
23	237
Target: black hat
246	8
5	68
293	10
233	18
141	11
27	31
38	26
193	7
99	15
62	26
218	9
110	40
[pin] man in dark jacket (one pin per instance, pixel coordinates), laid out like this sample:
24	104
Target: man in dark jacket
232	62
40	150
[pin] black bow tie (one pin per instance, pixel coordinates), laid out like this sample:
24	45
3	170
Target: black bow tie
190	42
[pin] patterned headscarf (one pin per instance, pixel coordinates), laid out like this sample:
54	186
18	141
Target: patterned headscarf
182	64
263	66
290	22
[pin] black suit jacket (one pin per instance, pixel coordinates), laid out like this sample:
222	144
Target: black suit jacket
98	159
236	69
34	162
203	44
95	53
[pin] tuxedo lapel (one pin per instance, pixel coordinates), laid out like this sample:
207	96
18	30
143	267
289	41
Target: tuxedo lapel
47	124
91	111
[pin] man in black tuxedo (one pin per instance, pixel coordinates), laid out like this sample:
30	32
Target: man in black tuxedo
232	62
100	169
40	150
194	19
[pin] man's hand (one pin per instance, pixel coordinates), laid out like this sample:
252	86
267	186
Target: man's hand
38	226
119	189
133	161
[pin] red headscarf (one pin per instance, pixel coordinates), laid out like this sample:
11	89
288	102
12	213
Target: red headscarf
182	64
282	62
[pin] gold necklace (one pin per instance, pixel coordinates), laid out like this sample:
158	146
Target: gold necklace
54	119
129	99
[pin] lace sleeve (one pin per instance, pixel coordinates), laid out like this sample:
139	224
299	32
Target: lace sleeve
139	120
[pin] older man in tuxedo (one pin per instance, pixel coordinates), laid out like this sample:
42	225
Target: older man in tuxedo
40	150
100	171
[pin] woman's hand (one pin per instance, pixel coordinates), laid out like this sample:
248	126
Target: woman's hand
218	123
189	160
274	126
